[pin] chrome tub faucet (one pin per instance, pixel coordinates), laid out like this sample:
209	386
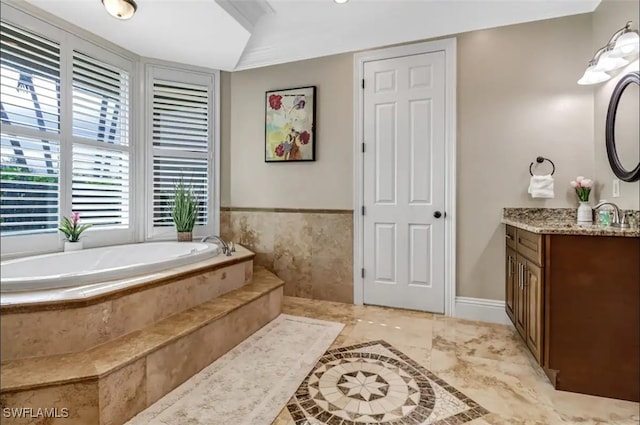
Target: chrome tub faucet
227	248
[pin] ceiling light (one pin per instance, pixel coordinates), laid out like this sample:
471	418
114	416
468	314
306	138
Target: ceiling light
591	76
341	1
121	9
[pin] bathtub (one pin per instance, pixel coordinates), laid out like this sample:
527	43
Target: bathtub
71	269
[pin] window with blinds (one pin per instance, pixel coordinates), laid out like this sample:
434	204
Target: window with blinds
30	139
181	146
100	187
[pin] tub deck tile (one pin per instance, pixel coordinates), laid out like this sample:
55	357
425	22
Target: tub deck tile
23	374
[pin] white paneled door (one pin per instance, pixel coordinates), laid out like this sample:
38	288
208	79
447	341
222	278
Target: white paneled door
404	182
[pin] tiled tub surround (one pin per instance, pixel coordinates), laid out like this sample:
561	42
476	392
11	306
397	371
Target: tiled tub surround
111	383
42	323
562	221
311	250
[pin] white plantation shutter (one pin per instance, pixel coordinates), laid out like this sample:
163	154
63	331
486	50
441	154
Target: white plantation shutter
181	144
100	101
29	189
100	188
30	80
166	172
30	138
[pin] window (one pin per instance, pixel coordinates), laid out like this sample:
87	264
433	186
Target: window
30	137
181	144
100	188
64	141
70	141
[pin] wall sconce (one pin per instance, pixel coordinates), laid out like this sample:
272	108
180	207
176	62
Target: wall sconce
120	9
623	44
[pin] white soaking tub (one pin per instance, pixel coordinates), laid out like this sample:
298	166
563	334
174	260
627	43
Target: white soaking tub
70	269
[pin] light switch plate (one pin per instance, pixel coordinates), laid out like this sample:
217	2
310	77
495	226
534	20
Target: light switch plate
616	188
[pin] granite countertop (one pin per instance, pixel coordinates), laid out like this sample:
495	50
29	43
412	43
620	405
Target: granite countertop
562	221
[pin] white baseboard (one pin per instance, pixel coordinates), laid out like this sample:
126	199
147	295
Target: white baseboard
481	309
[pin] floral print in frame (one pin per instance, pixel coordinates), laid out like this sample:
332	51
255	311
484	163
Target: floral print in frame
290	125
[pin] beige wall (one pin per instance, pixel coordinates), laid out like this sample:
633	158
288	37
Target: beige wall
225	138
325	183
517	99
609	17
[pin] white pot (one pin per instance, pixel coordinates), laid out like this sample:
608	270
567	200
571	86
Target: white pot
585	213
72	246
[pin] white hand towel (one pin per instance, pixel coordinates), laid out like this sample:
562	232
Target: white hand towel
541	186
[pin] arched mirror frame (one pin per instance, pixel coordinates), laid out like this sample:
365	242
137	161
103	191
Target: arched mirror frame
612	153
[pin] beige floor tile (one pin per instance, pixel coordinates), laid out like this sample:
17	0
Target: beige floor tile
489	363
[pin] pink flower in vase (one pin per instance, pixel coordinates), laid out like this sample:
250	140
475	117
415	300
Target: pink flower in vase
582	187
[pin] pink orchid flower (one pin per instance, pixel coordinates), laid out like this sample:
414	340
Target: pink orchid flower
75	216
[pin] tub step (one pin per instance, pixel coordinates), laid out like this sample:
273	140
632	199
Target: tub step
38	324
112	382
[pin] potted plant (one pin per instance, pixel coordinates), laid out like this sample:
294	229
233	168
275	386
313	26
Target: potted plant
184	211
72	230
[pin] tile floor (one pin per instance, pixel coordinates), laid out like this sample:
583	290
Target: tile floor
486	362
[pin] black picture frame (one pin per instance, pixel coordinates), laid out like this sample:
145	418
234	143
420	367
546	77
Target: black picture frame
283	105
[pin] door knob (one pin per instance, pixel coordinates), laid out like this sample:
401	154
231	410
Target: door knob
437	214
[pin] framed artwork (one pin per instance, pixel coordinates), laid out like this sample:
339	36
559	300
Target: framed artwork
290	125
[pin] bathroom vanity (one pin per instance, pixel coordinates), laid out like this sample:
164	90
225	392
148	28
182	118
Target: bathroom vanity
573	294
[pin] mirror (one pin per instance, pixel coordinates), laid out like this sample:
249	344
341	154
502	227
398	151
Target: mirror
627	128
623	128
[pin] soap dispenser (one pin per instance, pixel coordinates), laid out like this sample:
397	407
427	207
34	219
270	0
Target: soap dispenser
605	214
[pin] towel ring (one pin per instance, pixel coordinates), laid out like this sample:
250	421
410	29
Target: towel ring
540	160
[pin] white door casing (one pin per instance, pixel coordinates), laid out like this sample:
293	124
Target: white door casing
406	117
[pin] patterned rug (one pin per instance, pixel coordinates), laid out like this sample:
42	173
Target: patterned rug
250	384
374	383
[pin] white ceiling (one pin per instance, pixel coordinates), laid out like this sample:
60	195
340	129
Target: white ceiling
201	32
196	32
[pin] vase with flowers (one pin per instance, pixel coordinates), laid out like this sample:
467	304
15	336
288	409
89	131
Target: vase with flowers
582	187
72	230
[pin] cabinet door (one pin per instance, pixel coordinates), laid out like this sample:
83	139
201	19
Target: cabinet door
533	289
520	298
510	284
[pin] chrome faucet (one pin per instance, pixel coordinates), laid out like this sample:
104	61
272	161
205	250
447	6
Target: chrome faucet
619	219
227	248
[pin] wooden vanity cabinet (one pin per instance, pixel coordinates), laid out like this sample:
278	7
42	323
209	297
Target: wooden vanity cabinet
510	289
575	301
524	286
534	296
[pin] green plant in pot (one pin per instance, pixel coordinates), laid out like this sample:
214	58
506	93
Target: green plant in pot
184	210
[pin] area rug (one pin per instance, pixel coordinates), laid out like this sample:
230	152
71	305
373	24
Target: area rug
374	383
250	384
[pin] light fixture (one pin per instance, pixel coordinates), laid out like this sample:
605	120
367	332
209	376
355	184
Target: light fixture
627	44
608	62
623	44
591	76
341	1
120	9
